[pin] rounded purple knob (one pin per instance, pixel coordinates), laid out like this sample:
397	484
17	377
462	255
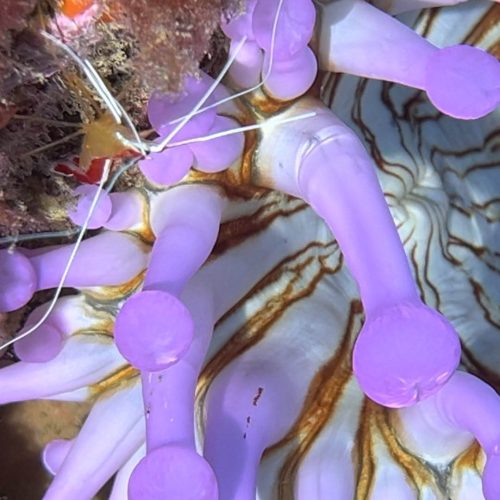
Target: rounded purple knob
404	354
153	330
173	472
102	211
218	154
55	453
43	345
291	77
18	280
162	109
294	28
168	167
240	25
463	81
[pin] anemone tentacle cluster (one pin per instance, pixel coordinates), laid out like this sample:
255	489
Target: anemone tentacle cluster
281	313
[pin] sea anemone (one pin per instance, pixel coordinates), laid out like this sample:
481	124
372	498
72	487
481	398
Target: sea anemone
229	344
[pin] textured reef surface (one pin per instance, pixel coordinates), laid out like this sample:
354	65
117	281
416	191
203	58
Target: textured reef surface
212	313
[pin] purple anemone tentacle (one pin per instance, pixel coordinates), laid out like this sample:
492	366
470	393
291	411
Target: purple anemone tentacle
169	394
246	69
294	27
154	330
219	154
291	77
359	39
162	109
102	211
294	65
54	454
104	260
114	211
68	315
127	209
18	280
254	401
169	166
323	162
43	346
107	259
81	362
169	397
241	25
111	433
464	406
173	471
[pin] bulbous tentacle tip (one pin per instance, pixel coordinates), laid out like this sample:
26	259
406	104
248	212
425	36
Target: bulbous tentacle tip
168	167
18	280
463	81
43	345
246	69
218	154
102	211
173	472
240	25
295	24
291	77
153	330
163	109
54	454
491	476
404	354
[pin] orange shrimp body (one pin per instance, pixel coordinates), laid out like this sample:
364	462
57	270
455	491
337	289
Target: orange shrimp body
100	140
99	145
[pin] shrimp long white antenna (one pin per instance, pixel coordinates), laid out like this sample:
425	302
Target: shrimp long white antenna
158	147
70	261
8	240
119	114
111	102
96	81
66	233
237	130
266	76
104	93
130	163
